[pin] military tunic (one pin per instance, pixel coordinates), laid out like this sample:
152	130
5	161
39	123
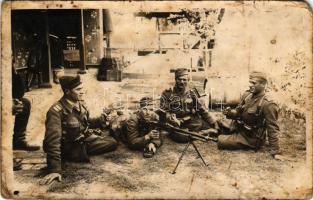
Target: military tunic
65	123
136	129
251	111
186	104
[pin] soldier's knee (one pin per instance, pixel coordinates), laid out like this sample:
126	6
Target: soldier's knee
230	142
102	146
222	142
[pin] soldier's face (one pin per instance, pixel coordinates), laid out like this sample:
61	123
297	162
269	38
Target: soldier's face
182	81
76	94
148	114
256	86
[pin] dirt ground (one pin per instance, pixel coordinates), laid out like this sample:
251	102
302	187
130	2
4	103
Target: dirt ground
126	174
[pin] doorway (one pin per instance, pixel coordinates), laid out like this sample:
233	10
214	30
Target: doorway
60	32
65	35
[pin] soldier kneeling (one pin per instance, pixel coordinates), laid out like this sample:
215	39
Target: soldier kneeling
69	131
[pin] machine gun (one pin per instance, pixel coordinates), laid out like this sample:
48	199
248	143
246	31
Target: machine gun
192	136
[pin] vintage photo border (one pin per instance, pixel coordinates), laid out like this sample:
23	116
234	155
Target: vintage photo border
7	177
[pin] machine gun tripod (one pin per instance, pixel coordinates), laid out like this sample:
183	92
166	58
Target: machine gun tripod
192	137
184	152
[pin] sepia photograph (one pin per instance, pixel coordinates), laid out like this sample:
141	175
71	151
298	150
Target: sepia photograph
156	100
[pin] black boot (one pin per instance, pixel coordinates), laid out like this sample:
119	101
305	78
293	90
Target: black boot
147	153
23	145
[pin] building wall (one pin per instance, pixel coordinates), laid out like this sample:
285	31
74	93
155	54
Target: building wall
271	36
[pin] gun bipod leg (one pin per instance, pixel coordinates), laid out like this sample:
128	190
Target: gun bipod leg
181	157
199	154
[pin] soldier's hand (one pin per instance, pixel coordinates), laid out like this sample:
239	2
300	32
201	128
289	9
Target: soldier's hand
226	110
48	179
279	157
215	126
171	118
103	120
230	113
209	132
154	134
282	158
152	147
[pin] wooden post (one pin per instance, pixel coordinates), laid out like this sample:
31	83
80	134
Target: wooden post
101	33
159	35
82	69
49	71
47	77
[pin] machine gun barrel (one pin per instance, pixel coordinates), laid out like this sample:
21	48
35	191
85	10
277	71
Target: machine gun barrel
191	134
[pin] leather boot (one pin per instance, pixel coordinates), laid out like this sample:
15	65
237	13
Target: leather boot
23	145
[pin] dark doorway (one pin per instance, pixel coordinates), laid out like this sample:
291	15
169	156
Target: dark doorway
65	38
60	32
29	45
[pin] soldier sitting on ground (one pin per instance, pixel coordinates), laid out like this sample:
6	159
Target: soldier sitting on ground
183	107
69	134
139	134
254	118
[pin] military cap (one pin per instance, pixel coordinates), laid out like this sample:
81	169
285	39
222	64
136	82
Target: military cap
69	82
259	75
181	72
145	101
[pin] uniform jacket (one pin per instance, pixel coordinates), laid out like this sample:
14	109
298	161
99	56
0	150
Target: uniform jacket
253	109
63	123
184	104
136	129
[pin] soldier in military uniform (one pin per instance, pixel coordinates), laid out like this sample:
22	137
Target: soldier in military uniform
254	117
69	133
21	110
184	108
140	135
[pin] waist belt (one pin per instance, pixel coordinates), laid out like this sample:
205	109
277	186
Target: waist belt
246	126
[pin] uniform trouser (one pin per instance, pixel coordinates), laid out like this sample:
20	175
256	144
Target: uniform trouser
93	145
157	143
194	124
100	144
235	141
21	121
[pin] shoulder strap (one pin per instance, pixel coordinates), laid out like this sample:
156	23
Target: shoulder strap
260	106
84	106
244	99
58	107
